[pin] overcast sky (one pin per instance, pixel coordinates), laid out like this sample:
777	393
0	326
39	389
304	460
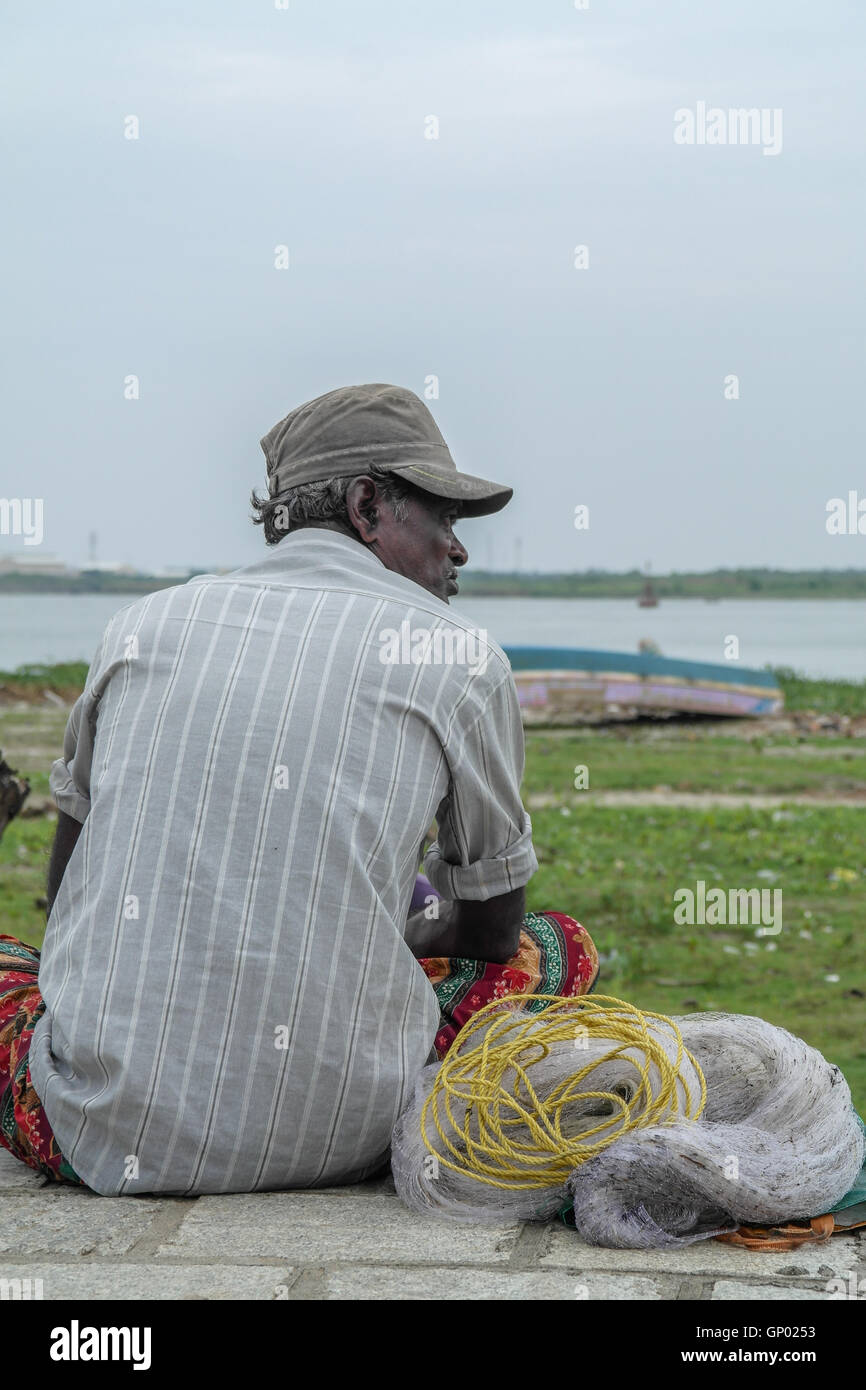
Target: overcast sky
454	257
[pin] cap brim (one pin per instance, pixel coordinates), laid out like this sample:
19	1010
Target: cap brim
477	496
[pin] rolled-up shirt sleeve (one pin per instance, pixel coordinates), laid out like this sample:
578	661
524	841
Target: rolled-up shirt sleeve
484	843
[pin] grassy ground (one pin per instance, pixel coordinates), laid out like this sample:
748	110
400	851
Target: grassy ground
678	758
616	869
843	697
28	682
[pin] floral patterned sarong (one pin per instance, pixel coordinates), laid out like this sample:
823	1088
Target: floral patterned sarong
556	955
24	1127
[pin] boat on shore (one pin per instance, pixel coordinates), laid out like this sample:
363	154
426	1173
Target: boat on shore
558	685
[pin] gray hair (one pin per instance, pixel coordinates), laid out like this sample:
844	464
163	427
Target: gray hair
322	501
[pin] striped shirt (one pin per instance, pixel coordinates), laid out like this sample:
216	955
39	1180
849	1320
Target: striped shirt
230	1003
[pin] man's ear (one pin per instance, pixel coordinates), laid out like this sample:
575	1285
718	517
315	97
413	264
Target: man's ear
362	508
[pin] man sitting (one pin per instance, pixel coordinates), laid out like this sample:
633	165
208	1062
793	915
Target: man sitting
229	997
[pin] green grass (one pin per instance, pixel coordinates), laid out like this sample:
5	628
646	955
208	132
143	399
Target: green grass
26	682
616	871
24	852
823	697
30	739
642	757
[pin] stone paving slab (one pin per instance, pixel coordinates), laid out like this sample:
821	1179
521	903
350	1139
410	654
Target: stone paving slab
152	1281
563	1249
16	1176
370	1282
731	1289
316	1228
72	1223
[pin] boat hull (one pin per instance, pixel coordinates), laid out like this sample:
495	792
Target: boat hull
561	685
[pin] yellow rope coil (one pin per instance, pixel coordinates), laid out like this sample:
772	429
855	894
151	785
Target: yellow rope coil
473	1076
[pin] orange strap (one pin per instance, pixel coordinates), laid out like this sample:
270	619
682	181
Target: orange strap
788	1237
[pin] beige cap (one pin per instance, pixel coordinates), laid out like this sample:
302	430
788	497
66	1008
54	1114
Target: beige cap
355	427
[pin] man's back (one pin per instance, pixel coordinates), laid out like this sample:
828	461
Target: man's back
230	1002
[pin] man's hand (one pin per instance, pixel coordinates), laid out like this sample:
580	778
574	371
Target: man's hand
488	930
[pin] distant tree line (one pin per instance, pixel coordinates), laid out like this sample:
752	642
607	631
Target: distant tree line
87	582
713	584
592	583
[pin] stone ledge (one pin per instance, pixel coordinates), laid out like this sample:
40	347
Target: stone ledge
565	1250
148	1282
731	1289
312	1227
361	1243
441	1283
72	1224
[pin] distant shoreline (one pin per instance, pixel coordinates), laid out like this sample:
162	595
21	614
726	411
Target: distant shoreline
714	584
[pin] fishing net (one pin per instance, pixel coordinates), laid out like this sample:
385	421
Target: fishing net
657	1131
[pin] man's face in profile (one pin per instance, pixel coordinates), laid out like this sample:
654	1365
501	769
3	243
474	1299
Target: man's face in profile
422	547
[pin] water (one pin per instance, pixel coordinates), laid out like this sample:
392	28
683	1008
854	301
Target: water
54	627
819	637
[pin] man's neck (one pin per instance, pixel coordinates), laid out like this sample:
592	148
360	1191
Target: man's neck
337	526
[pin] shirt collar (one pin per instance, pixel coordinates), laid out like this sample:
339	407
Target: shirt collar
315	556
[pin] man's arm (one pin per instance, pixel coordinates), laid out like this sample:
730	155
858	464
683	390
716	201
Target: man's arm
70	773
479	930
484	837
65	839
